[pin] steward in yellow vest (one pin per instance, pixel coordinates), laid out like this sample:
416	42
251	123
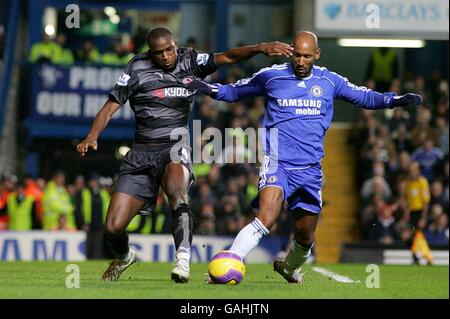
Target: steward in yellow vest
21	211
42	52
56	203
383	68
62	55
91	207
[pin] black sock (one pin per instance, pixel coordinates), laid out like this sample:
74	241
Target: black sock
117	243
182	226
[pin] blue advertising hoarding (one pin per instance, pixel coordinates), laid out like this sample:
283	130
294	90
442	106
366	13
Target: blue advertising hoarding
65	100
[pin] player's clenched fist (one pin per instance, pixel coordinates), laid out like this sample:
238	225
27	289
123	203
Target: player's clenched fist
83	147
276	49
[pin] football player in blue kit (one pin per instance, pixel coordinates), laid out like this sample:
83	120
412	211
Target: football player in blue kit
299	109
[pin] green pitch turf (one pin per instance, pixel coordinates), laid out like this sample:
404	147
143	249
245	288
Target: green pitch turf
152	280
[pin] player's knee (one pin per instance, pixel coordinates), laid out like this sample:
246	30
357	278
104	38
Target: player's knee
114	226
267	220
177	196
304	238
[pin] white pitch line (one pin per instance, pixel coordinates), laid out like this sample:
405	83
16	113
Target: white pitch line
332	275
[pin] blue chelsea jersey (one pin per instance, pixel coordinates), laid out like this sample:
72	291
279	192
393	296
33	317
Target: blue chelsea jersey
300	109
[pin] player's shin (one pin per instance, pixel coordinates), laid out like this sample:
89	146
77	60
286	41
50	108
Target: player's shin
298	254
182	228
117	243
248	238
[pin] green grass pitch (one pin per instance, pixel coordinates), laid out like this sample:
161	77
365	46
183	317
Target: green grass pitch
152	280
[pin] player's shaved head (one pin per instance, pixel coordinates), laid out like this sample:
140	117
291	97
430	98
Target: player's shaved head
157	33
162	48
306	38
306	53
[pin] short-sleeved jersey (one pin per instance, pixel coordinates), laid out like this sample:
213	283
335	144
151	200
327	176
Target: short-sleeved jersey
301	109
160	99
417	193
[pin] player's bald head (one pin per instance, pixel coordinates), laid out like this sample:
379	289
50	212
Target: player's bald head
306	39
306	53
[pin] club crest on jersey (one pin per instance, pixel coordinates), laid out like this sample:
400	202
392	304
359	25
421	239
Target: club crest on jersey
316	91
272	179
187	80
123	80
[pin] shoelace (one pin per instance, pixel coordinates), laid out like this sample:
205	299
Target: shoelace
298	274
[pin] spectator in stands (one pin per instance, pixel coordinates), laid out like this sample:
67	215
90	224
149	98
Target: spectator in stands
437	193
422	129
437	231
231	220
22	210
42	52
418	197
400	117
442	106
377	182
401	169
91	205
442	133
446	190
113	56
62	55
35	189
427	156
117	54
4	193
203	196
207	220
88	54
215	180
383	225
58	209
401	139
383	68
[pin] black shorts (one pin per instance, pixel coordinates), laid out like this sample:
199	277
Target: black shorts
142	169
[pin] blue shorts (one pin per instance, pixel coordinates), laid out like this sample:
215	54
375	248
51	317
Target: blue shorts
301	186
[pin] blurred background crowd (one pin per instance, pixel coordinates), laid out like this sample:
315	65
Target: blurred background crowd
402	171
402	154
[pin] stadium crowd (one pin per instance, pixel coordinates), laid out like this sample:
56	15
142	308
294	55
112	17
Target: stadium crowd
402	154
403	165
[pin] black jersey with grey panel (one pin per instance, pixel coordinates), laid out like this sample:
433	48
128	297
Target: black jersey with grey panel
160	99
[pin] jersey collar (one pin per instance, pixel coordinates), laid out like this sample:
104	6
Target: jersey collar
291	68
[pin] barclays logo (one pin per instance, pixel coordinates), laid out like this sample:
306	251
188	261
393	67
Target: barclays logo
332	10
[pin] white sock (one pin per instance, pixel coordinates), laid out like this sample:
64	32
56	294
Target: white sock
248	238
125	257
183	258
297	255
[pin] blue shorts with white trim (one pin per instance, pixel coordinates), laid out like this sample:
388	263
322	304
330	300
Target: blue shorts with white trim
301	186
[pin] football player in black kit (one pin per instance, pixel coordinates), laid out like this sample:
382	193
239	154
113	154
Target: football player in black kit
155	84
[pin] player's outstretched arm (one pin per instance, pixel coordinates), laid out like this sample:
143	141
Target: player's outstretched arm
229	93
100	122
406	100
369	99
272	49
